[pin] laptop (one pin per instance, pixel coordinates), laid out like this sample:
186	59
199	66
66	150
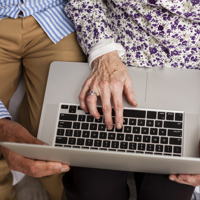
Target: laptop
160	135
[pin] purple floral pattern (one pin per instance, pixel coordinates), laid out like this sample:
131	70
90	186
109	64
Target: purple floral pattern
153	32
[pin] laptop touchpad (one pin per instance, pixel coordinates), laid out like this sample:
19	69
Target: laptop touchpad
139	82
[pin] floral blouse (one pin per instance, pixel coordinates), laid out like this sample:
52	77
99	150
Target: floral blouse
153	32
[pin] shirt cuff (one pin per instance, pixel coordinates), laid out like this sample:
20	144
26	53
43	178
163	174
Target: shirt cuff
103	47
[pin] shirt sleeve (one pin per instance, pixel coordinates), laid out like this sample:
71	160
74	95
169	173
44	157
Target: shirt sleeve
91	22
3	112
103	47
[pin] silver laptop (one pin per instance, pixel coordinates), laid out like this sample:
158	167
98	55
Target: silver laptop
160	135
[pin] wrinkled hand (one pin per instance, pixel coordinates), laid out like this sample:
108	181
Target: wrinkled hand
13	132
109	79
193	180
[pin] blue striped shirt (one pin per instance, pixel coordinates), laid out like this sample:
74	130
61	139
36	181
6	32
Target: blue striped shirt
3	111
48	13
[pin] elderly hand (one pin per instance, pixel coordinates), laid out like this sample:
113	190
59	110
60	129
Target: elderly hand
13	132
193	180
109	78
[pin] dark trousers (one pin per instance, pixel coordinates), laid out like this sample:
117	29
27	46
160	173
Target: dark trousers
97	184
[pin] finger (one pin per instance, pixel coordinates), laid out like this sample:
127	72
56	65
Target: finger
193	180
117	90
128	91
83	95
35	168
106	104
91	101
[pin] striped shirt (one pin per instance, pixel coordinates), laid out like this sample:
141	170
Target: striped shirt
3	111
48	13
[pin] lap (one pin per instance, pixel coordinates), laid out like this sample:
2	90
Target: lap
86	184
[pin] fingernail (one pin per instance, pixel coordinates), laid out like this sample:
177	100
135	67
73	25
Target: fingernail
109	127
119	126
65	169
180	178
57	167
172	179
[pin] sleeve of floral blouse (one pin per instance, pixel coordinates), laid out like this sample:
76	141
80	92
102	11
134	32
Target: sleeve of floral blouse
91	21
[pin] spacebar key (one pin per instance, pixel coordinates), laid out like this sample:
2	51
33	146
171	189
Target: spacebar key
168	124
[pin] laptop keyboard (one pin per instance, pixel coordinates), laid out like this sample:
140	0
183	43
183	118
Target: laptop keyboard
144	131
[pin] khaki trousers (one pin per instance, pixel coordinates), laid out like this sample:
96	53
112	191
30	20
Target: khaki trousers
26	49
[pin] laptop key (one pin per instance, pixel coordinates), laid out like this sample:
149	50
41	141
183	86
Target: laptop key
155	139
175	133
161	115
77	133
106	143
162	131
158	123
62	124
94	134
76	125
72	109
170	116
120	136
145	131
97	143
123	145
150	147
84	126
64	106
101	127
141	146
86	134
99	120
111	136
132	121
103	135
164	140
60	131
153	131
132	145
176	141
177	149
129	137
179	117
168	149
115	144
151	114
61	140
146	139
93	126
136	129
68	132
134	113
72	141
81	118
137	138
89	142
159	148
80	141
68	117
90	118
141	122
170	124
127	129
